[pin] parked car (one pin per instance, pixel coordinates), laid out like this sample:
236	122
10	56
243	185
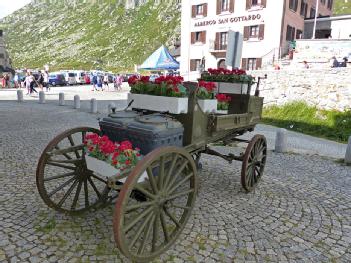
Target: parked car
57	79
80	76
70	77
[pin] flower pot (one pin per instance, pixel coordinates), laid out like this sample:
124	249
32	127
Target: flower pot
159	103
207	106
232	88
221	111
105	169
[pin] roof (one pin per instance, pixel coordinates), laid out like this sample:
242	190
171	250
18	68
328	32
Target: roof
161	59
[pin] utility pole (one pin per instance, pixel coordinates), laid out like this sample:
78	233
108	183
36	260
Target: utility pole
315	20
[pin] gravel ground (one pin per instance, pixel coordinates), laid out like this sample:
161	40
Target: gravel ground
300	211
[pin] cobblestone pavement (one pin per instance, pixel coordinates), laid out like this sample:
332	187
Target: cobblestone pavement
300	212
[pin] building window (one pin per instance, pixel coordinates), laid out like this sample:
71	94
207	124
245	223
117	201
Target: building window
199	10
290	33
223	41
195	64
312	12
255	2
224	5
198	37
298	34
303	9
254	31
330	4
251	64
293	4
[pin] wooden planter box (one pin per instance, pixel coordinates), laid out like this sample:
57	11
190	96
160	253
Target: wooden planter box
221	111
106	170
232	88
208	106
159	103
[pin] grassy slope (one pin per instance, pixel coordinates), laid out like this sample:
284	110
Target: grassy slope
342	8
90	35
297	116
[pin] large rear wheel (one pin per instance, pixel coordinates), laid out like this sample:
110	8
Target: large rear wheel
155	203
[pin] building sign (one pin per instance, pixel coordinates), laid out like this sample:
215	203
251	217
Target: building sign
228	20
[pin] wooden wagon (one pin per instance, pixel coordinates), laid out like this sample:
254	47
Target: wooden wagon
150	214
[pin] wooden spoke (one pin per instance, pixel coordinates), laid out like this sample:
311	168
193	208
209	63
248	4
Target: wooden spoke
172	217
180	183
66	150
151	177
140	205
140	231
94	187
180	206
183	193
61	186
179	171
64	154
164	226
76	196
98	178
72	144
145	192
155	232
170	172
59	176
61	165
146	237
86	193
137	219
70	161
161	173
68	193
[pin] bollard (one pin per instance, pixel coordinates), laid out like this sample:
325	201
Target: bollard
61	99
348	153
93	106
110	107
41	97
281	141
20	95
76	102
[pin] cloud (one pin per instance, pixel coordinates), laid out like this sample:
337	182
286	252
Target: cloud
7	7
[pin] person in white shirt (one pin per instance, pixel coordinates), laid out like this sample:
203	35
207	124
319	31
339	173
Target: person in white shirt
46	80
106	81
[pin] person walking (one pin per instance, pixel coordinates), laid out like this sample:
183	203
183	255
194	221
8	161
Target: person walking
16	82
46	80
119	81
99	83
94	82
27	83
106	82
40	80
32	81
7	81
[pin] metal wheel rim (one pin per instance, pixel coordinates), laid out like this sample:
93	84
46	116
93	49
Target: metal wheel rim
121	206
79	184
254	162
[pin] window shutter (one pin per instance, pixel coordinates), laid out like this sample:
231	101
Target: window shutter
243	63
231	6
205	9
203	37
193	11
192	37
248	4
219	7
258	63
264	3
246	32
261	32
218	39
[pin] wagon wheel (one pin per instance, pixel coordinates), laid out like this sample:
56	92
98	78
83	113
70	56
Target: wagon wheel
63	180
254	162
143	230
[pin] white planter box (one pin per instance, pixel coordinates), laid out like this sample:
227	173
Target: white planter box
106	170
207	105
222	111
232	88
159	103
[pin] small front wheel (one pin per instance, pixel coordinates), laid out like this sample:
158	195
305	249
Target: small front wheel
155	203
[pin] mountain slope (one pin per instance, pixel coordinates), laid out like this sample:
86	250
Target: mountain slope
342	7
99	34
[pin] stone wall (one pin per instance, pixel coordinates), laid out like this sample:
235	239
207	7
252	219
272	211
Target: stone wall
324	88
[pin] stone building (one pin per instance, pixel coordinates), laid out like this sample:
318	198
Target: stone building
269	28
5	61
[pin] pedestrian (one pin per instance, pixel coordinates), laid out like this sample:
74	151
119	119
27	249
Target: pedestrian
46	80
40	80
94	82
32	81
99	83
3	81
106	82
344	62
7	81
119	81
27	83
16	82
335	62
305	64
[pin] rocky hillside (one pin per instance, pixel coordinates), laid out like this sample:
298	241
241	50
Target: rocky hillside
103	34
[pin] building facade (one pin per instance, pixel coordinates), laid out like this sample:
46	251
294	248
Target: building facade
5	61
268	28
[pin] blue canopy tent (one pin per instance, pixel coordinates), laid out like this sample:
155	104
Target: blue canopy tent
160	60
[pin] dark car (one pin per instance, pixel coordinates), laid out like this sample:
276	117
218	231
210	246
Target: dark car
57	80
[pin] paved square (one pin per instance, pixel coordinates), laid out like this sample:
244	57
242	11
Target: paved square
300	212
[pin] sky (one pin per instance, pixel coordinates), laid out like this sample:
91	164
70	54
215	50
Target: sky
9	6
